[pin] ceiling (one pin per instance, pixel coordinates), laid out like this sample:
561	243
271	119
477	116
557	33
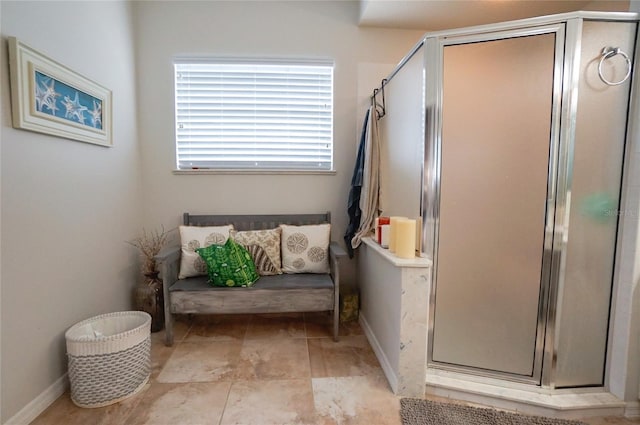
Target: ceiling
432	15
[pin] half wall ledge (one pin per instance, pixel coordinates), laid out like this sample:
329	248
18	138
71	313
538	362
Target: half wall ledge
393	314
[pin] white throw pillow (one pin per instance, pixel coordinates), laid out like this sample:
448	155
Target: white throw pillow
305	249
194	237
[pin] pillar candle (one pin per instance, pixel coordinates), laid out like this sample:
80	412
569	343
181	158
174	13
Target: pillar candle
384	235
381	221
392	232
406	238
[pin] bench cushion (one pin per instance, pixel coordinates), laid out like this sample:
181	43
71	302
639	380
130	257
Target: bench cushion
277	282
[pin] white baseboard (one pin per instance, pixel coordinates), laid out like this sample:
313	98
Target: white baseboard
377	349
632	409
39	404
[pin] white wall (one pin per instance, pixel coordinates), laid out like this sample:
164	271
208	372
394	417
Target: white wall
67	206
609	5
380	284
272	29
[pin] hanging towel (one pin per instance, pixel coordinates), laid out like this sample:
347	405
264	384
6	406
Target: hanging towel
370	187
353	205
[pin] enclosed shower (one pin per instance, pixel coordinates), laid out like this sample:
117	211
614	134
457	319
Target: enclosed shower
511	142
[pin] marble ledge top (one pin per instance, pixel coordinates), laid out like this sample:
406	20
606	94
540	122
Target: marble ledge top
418	262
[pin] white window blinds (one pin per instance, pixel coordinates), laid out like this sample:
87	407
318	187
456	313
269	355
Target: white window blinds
255	116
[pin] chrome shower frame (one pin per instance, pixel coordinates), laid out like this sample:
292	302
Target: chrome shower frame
568	30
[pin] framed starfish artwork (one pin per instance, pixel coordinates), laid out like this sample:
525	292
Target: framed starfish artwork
47	97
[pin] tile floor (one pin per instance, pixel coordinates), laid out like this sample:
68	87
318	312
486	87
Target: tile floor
256	369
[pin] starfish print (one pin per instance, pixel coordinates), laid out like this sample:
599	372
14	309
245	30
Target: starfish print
46	95
74	110
39	97
96	114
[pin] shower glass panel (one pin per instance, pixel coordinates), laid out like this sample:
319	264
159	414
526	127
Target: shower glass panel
595	173
402	140
497	109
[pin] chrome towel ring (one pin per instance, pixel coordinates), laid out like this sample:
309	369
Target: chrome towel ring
609	52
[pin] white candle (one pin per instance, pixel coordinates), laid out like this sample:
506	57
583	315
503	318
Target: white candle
406	238
384	235
392	232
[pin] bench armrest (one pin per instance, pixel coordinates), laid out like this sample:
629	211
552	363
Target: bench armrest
167	254
335	250
168	263
337	255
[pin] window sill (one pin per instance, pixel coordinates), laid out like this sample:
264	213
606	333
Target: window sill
260	172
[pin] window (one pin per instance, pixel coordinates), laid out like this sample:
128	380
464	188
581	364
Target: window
237	115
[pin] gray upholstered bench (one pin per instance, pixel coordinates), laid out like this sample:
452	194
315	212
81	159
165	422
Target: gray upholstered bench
270	294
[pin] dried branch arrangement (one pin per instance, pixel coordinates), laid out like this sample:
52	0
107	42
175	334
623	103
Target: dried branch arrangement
150	244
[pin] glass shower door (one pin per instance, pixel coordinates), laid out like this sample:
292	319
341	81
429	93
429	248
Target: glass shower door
497	138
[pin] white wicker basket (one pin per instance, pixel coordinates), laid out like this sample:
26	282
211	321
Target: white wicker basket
109	357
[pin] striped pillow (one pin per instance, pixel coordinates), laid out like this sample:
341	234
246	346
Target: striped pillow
264	247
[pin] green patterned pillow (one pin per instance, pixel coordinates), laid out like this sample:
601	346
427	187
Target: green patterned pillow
229	264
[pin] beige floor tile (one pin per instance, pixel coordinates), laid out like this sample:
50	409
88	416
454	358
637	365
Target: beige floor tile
218	328
63	411
351	328
270	402
202	362
180	328
320	325
266	376
351	356
355	400
268	359
160	354
184	404
269	326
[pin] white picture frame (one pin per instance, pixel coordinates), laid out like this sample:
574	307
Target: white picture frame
47	97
